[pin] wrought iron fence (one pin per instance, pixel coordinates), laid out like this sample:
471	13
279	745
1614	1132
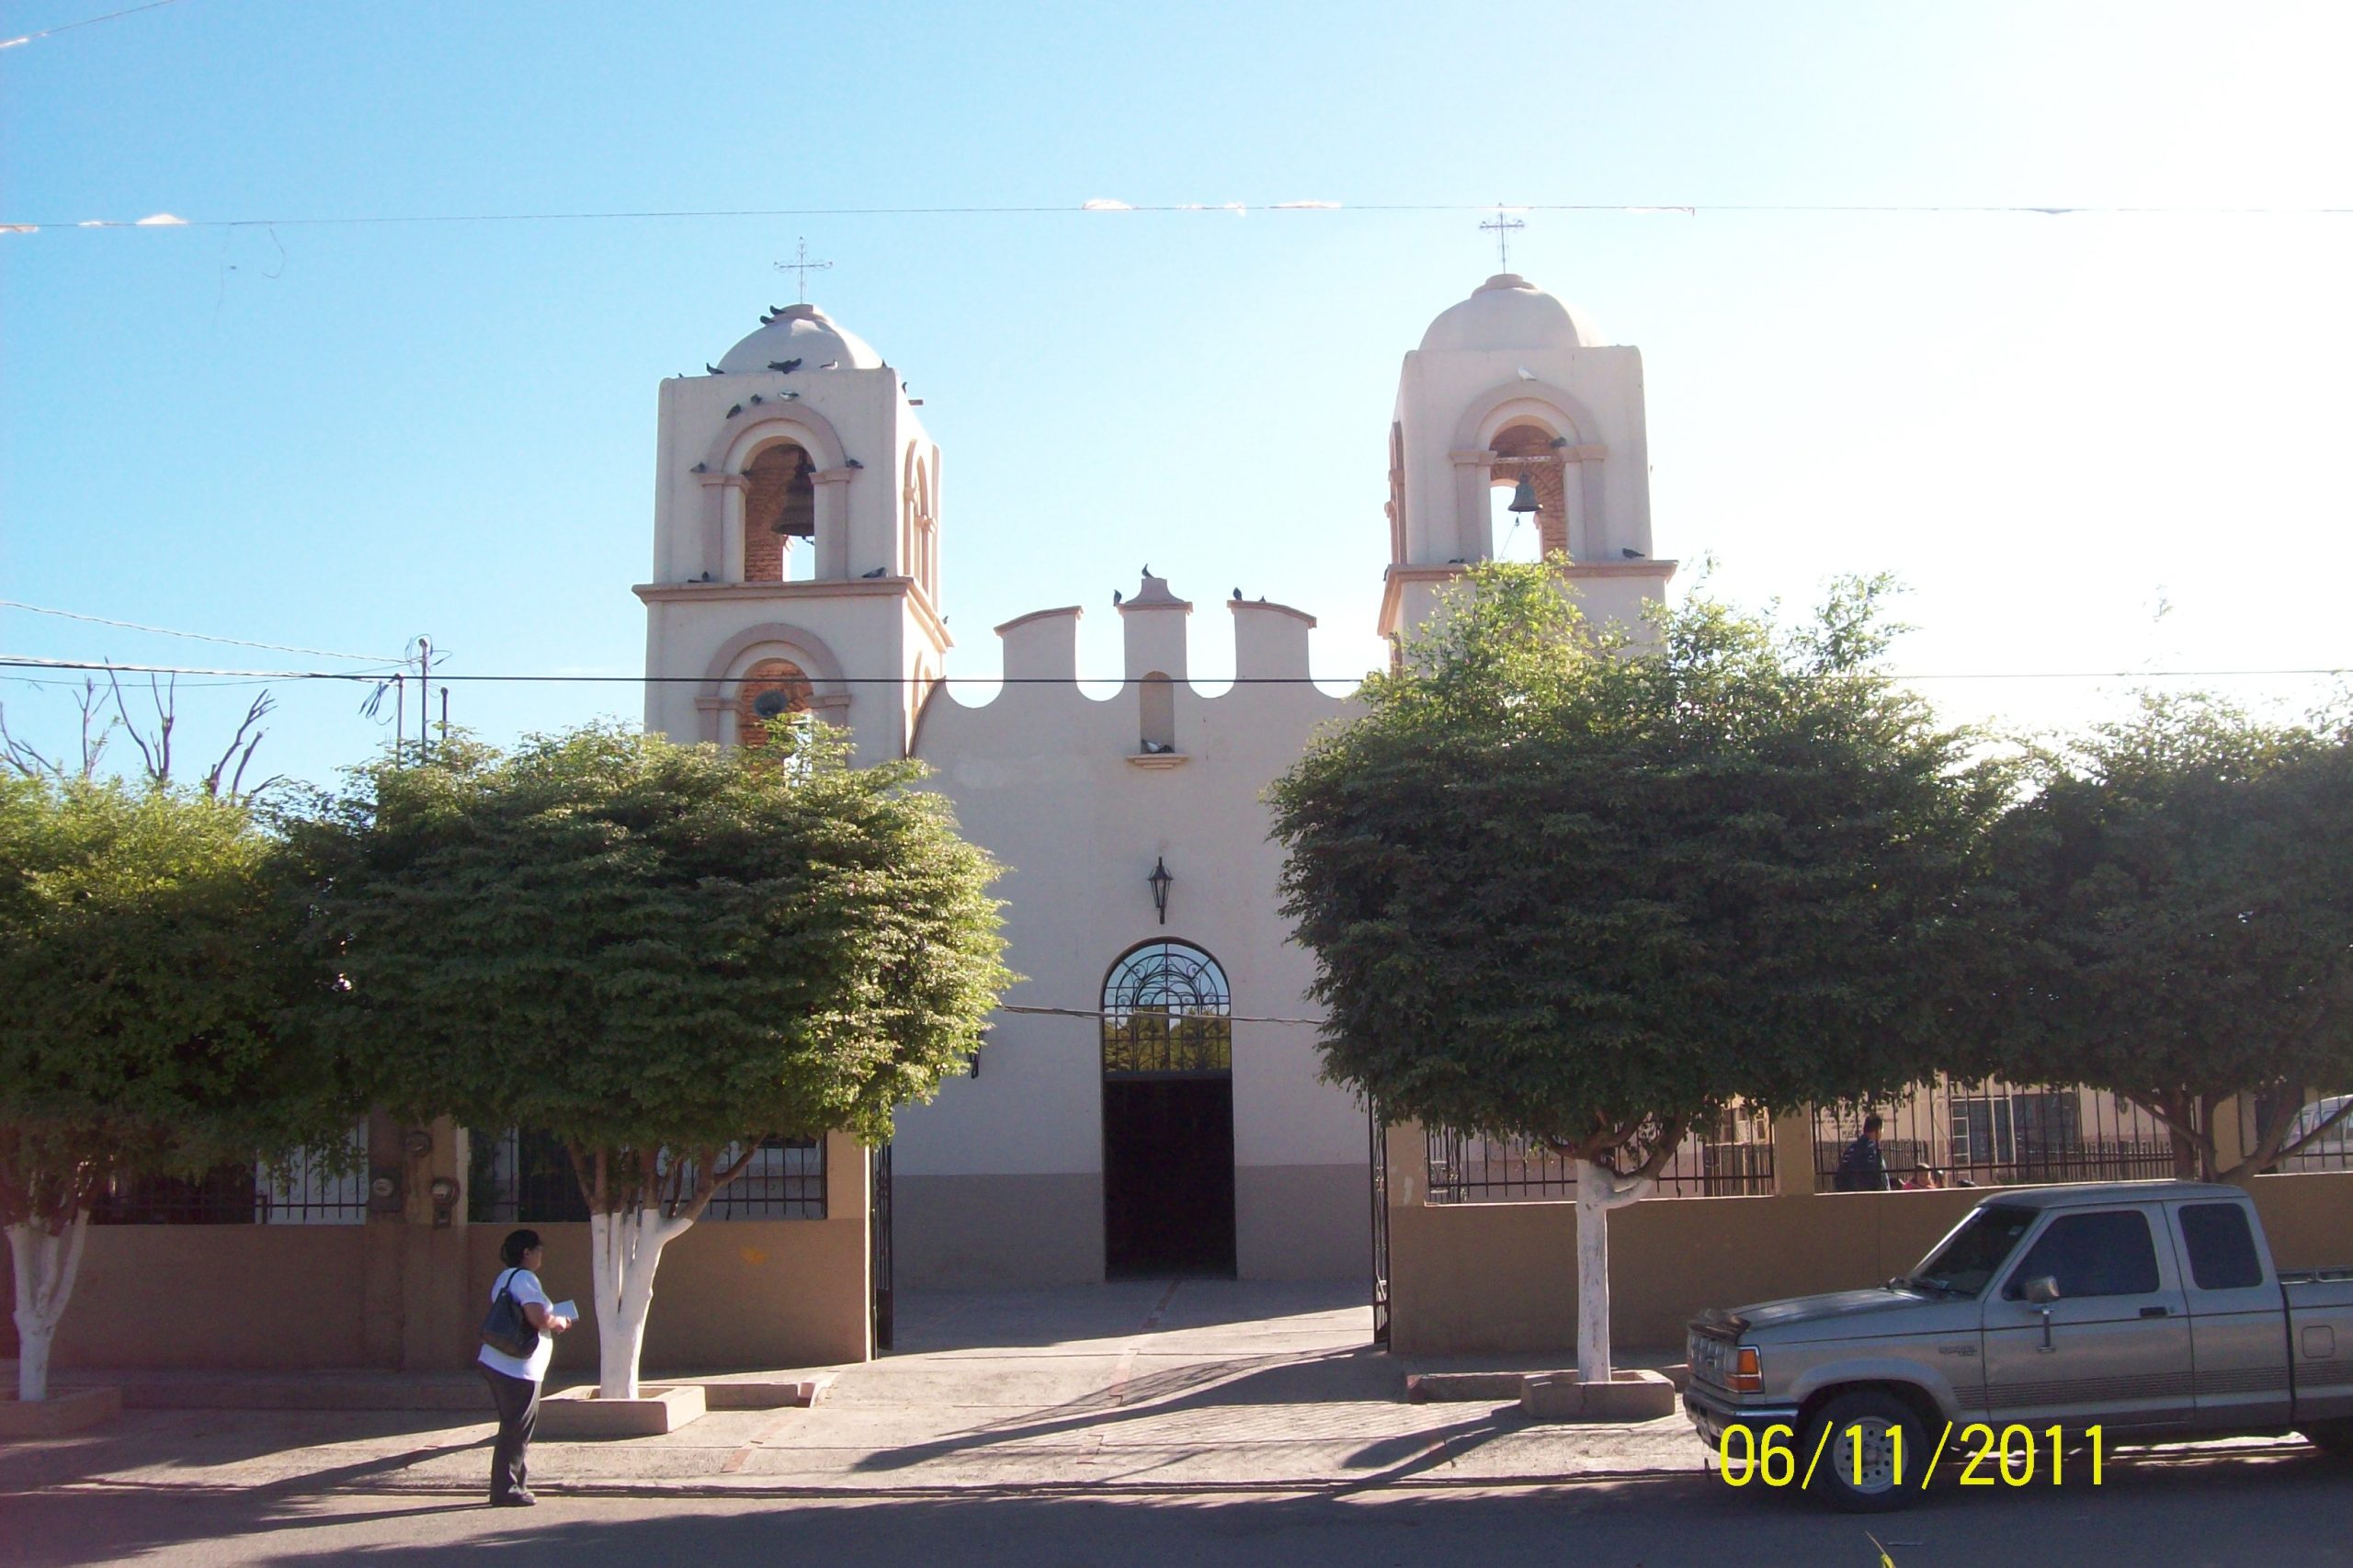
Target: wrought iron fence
1995	1134
524	1177
307	1190
1731	1158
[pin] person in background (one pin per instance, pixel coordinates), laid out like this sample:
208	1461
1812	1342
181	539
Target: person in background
514	1380
1862	1168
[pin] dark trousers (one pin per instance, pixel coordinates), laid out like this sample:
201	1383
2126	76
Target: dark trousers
519	1412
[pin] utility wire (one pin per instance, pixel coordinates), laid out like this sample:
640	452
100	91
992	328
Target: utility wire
1686	210
86	22
199	636
18	660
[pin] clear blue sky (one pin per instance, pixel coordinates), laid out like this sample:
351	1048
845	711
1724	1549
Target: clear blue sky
340	435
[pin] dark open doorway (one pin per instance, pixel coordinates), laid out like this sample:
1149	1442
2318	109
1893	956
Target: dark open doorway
1167	1114
1168	1175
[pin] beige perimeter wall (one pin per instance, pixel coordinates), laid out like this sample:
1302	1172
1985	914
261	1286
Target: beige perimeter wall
399	1293
1502	1277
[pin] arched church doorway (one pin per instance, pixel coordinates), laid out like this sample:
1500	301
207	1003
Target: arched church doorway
1167	1114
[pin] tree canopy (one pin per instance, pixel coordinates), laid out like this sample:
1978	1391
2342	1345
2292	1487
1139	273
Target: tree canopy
143	1012
1589	886
2179	902
141	993
638	946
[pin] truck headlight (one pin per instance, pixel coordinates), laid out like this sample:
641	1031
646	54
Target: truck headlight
1747	1372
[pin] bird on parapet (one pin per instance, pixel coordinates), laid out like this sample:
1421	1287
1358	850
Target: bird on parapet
1117	596
1632	555
711	369
786	366
870	577
1237	595
734	411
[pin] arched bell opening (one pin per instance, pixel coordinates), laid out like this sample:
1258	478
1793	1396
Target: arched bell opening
779	515
1527	515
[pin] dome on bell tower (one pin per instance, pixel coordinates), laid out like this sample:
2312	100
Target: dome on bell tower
1508	311
802	332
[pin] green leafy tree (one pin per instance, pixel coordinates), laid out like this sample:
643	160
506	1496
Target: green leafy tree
2180	922
1590	888
142	991
659	954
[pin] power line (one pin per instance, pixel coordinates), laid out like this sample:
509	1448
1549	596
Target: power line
31	662
1101	206
86	22
199	636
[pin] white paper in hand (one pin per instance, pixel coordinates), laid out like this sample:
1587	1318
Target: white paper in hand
567	1309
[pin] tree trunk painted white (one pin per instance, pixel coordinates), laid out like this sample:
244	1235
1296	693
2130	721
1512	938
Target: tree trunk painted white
1598	1191
624	1250
45	1267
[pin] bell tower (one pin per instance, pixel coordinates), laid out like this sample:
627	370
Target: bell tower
1513	391
796	543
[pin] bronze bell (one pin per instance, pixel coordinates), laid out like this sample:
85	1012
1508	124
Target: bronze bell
1523	496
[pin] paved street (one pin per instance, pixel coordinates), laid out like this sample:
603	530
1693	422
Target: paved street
2180	1515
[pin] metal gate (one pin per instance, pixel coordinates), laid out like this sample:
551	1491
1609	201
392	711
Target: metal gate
1380	1226
878	1229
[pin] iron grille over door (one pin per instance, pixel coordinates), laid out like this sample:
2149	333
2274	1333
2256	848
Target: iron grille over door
1169	1186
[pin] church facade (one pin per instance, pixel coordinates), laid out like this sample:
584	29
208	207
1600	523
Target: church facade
1148	1101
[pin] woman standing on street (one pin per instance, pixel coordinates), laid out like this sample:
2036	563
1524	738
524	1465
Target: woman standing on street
514	1380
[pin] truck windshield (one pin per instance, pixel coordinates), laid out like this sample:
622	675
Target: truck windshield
1967	1260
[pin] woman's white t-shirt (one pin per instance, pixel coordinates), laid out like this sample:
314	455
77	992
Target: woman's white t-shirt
527	1288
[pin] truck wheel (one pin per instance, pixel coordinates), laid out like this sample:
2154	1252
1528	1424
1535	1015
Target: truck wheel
2331	1437
1872	1421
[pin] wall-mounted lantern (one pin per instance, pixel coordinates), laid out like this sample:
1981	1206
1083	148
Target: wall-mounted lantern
1159	879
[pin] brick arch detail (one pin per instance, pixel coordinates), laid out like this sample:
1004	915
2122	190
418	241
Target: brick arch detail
829	694
1486	419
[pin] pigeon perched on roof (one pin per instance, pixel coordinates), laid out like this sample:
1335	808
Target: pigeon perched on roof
711	369
1237	595
852	462
786	366
1117	596
734	411
1526	374
831	365
756	398
701	468
876	572
1632	555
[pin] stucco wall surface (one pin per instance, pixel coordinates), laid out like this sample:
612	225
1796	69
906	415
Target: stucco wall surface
212	1298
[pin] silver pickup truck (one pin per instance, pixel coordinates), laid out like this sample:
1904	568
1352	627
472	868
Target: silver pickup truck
2151	1311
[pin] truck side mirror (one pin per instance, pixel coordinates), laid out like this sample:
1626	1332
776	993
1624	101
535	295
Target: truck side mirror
2042	1289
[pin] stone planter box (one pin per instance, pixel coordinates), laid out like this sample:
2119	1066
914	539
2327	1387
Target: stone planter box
59	1414
752	1393
1636	1395
578	1413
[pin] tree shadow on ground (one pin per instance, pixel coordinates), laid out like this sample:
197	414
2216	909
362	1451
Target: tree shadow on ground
2261	1510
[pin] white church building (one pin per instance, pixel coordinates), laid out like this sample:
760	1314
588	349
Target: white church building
797	567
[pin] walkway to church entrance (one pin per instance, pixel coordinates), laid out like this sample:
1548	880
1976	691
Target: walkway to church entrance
1167	1382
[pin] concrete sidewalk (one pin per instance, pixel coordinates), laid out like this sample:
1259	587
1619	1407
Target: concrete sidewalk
1194	1385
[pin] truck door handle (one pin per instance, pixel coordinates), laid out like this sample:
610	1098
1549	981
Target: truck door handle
2155	1312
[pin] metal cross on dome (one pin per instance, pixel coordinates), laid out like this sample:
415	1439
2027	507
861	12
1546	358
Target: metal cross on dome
802	265
1502	227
